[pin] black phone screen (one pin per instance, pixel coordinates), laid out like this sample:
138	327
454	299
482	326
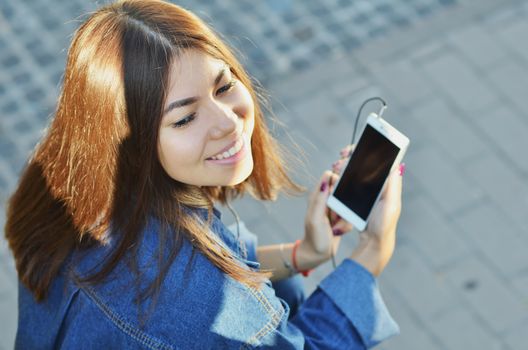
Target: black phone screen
366	172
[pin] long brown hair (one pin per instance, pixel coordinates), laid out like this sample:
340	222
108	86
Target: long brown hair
97	169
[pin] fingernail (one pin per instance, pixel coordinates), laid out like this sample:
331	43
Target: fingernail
402	169
323	186
337	232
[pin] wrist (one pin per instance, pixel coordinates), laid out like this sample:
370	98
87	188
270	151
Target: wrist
373	254
307	257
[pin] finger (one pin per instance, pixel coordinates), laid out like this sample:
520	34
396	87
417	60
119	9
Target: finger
345	152
341	227
334	217
335	244
321	192
393	190
333	180
338	165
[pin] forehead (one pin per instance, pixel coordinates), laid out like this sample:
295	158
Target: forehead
192	70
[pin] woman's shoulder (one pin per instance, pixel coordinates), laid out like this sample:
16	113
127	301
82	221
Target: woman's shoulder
195	298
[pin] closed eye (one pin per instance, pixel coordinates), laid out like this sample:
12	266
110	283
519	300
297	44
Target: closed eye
226	87
184	121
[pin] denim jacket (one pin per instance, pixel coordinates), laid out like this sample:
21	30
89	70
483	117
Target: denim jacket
201	308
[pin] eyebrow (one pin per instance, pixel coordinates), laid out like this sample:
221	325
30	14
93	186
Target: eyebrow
190	100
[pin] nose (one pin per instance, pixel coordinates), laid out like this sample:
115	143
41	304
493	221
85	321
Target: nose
224	120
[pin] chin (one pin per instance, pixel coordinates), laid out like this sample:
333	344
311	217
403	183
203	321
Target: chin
241	175
240	178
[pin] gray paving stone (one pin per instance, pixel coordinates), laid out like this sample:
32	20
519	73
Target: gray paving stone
513	34
448	328
476	44
6	258
414	128
508	78
322	76
502	16
442	179
313	157
8	309
395	113
427	51
324	119
8	176
490	298
415	335
516	339
426	292
503	243
422	226
520	283
349	84
289	213
460	82
8	281
411	188
403	80
352	103
507	129
460	140
503	185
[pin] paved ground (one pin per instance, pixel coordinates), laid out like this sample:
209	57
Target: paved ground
455	75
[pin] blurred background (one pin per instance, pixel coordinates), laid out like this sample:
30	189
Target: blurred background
455	76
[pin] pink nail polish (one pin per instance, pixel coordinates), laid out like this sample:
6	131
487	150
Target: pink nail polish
323	186
337	232
402	169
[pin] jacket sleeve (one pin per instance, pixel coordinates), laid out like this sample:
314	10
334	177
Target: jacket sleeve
346	311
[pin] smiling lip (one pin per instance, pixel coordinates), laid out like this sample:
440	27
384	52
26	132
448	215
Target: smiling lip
228	147
234	158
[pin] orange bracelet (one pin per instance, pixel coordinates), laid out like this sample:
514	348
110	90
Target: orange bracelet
305	273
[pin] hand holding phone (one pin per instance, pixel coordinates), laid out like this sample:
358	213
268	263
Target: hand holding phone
379	150
377	242
386	211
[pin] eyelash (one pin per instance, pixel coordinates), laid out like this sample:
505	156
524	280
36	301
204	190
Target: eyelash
226	87
184	121
192	116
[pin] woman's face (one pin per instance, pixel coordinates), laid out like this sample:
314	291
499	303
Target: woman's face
208	120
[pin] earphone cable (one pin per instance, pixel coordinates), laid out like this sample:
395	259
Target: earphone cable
380	113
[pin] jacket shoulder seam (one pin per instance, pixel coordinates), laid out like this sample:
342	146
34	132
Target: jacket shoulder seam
271	325
140	336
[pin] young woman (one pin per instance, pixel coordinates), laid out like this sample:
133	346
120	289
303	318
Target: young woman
113	227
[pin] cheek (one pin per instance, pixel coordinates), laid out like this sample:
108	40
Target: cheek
245	106
176	153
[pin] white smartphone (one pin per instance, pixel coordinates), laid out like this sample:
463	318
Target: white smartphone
379	150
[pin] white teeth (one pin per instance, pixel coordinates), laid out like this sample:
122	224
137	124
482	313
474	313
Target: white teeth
229	153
